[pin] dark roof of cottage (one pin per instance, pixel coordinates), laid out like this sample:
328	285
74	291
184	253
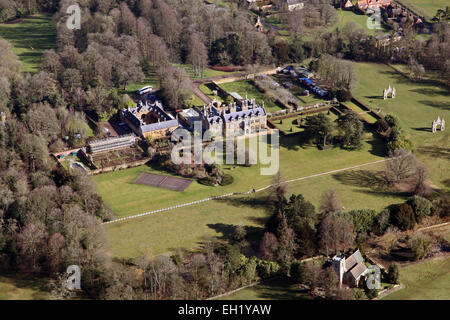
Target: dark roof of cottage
358	270
354	259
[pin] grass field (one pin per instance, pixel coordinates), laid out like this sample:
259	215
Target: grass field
417	104
207	73
152	80
277	289
30	37
429	7
187	227
244	88
22	288
346	16
425	281
125	198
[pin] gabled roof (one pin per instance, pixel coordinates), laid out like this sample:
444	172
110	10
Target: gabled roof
159	125
353	260
358	270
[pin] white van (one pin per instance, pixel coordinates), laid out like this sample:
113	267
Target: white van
144	90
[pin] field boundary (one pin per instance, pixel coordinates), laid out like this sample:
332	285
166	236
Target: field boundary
238	193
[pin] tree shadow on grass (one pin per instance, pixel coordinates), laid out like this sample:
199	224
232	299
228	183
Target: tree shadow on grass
374	180
446	183
253	234
386	193
375	97
377	147
293	142
435	91
280	289
258	202
436	104
425	129
443	153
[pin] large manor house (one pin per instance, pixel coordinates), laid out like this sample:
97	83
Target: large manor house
150	119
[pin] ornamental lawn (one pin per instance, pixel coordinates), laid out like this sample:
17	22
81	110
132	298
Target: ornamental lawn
416	105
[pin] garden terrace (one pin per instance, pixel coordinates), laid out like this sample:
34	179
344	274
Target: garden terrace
118	157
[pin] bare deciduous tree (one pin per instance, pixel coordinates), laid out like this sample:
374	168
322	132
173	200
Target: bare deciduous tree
336	234
269	246
400	166
330	202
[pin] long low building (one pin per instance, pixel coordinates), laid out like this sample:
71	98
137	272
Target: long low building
109	144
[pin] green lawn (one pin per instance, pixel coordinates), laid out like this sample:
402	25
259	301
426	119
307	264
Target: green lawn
429	7
287	124
207	89
417	104
361	112
152	80
425	281
245	88
207	73
187	227
345	16
195	101
18	287
126	198
30	38
277	289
